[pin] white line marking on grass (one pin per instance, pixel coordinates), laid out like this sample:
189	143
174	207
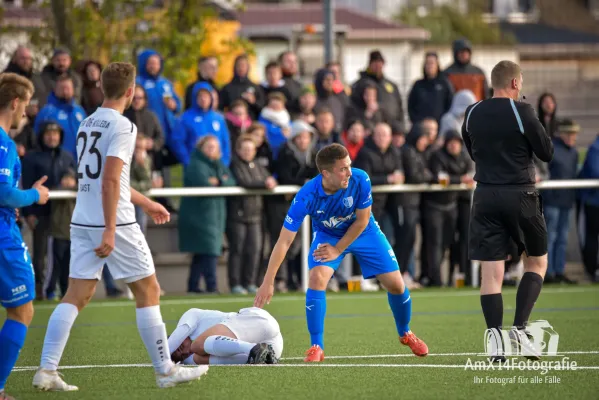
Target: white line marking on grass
321	365
33	368
233	300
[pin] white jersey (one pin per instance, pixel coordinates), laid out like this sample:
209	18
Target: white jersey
253	325
104	133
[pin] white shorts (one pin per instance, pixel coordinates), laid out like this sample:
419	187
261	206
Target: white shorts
130	259
256	325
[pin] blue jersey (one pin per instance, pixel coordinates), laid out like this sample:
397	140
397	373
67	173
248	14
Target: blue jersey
331	214
10	173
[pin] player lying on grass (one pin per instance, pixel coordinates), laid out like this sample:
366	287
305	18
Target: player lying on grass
339	201
250	336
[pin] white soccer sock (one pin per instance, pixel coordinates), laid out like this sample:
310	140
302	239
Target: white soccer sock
225	346
236	359
57	334
153	333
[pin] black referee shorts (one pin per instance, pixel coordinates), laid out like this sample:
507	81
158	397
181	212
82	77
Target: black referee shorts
504	214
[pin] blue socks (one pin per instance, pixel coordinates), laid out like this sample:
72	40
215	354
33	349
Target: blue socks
316	308
401	306
12	338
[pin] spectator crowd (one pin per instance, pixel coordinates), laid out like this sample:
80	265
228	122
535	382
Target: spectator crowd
260	135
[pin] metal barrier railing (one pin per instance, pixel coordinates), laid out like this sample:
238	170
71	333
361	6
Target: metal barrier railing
305	237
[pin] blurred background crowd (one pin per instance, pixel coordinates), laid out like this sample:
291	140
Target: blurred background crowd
258	134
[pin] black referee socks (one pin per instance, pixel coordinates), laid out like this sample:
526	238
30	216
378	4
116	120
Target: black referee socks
528	293
492	305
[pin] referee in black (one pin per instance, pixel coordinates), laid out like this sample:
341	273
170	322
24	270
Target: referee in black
501	135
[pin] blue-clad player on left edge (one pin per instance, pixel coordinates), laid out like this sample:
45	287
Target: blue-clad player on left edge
339	200
17	282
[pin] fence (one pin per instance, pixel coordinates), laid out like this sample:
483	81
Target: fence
305	238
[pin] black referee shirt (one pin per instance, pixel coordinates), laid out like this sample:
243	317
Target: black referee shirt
501	136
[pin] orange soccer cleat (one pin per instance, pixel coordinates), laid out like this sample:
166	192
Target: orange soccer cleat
314	354
417	346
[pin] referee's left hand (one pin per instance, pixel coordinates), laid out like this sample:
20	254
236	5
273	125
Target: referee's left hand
325	253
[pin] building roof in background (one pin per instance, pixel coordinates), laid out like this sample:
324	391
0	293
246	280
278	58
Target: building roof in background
259	19
529	34
16	17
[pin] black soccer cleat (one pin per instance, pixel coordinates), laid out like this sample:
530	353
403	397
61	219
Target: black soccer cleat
271	358
259	354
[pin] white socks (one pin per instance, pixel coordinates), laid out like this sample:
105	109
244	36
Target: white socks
153	333
232	360
57	334
225	346
237	359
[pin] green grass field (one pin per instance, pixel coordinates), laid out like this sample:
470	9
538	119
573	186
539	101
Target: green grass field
364	357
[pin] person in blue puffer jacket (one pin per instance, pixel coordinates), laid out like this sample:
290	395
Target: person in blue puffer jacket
589	213
62	109
198	121
160	95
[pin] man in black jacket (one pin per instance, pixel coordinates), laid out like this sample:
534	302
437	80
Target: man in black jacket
387	90
440	208
430	96
50	160
207	69
501	135
241	87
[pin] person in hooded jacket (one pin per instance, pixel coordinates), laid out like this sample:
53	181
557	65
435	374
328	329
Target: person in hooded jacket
63	109
431	96
161	98
440	208
241	87
200	120
416	171
277	121
463	75
327	98
389	97
91	93
453	119
52	160
244	218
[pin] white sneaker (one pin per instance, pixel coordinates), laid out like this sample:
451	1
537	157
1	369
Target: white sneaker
180	374
521	342
47	380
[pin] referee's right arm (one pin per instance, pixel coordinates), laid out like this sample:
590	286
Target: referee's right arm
534	131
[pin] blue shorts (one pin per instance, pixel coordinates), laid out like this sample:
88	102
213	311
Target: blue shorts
17	279
371	249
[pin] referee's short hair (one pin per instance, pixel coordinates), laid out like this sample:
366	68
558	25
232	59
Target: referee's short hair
503	73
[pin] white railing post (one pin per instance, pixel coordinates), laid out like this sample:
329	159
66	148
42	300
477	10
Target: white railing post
305	249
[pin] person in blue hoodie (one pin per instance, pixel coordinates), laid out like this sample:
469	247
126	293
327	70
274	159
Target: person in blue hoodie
589	221
198	121
62	109
160	95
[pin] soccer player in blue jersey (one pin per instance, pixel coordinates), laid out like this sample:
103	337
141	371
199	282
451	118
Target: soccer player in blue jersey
17	282
339	201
